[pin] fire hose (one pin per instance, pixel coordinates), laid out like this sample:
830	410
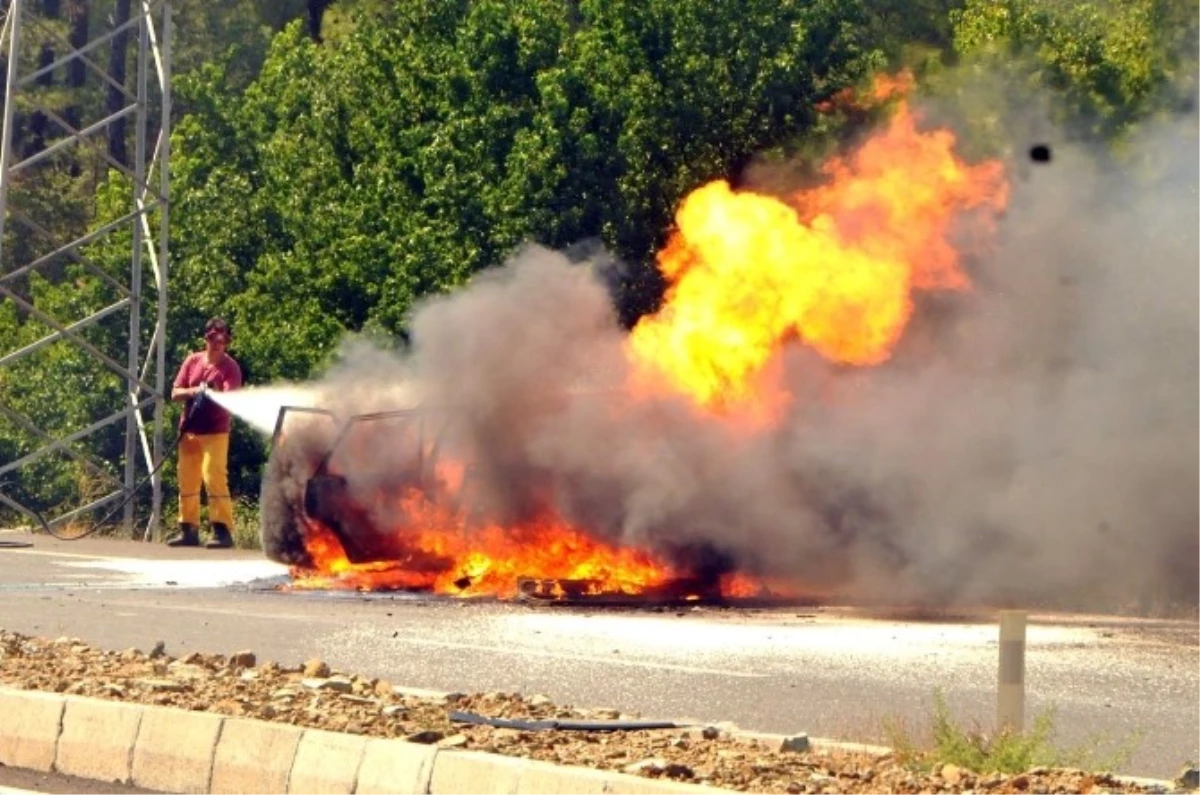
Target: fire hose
556	724
47	526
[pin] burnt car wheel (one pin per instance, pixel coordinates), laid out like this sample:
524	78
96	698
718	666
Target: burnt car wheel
281	528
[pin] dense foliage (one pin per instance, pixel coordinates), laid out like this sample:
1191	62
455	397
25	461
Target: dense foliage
332	163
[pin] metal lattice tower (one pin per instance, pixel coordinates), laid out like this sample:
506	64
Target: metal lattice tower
146	221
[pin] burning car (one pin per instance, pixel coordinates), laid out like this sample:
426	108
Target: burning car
411	520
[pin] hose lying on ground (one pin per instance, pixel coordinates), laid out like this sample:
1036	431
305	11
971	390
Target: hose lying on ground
48	526
562	725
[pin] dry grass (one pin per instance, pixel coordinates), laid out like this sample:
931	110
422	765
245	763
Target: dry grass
948	742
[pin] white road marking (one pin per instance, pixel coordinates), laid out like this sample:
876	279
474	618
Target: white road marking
57	554
691	669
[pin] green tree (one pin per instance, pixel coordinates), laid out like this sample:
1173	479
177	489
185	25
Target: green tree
428	142
1110	63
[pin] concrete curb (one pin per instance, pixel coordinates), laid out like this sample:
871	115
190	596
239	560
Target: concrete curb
173	750
179	751
29	731
98	739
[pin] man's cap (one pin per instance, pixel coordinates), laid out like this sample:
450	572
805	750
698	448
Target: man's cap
217	325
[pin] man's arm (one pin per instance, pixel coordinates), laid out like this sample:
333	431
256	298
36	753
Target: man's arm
179	390
182	393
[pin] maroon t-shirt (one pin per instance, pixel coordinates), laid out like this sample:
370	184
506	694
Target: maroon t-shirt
225	376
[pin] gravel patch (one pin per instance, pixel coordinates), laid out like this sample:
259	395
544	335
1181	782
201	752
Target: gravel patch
313	695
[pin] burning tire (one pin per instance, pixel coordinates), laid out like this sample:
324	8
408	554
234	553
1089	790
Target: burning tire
281	501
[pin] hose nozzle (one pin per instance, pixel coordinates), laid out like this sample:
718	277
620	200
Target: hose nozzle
199	397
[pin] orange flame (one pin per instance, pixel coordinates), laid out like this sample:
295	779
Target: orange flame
835	266
884	88
438	552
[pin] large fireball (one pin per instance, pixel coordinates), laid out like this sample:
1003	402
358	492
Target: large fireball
835	266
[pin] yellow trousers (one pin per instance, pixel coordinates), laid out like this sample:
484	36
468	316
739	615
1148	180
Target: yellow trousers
203	457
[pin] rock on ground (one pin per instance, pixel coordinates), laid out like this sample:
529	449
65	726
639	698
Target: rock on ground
312	695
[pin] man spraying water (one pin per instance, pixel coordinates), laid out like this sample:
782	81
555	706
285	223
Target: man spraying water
204	439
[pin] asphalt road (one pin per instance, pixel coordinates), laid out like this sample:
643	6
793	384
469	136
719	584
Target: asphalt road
14	781
830	671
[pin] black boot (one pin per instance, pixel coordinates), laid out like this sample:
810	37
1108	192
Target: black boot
221	537
188	535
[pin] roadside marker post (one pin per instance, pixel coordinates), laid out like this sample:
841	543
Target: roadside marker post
1010	694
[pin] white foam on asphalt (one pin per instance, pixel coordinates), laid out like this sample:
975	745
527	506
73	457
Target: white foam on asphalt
198	573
